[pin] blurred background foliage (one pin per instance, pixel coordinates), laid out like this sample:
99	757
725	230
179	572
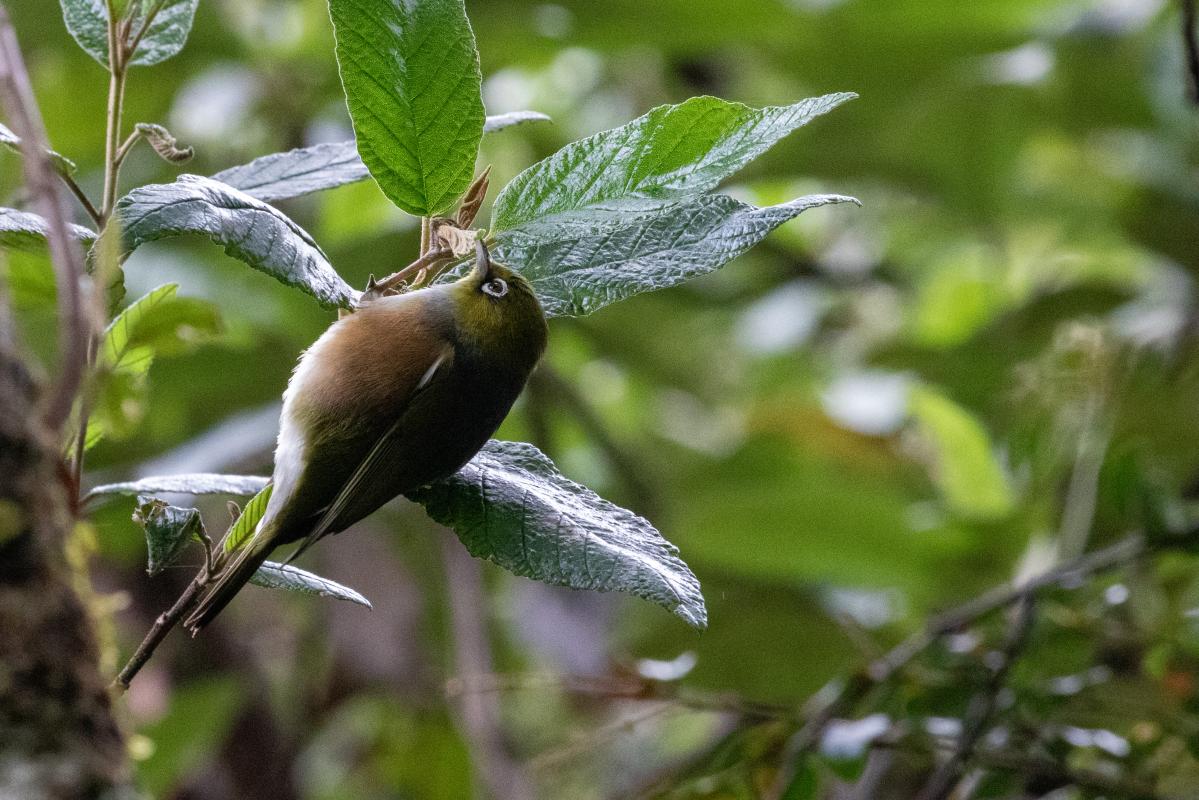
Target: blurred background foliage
875	415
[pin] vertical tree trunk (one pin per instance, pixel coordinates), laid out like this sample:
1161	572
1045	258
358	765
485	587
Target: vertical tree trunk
58	738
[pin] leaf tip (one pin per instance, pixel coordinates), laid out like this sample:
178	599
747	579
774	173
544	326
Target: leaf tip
694	613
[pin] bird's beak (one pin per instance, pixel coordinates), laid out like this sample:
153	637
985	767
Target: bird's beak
482	271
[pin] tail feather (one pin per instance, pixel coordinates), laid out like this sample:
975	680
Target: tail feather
235	575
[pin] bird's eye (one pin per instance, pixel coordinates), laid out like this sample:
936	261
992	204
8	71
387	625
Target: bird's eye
496	287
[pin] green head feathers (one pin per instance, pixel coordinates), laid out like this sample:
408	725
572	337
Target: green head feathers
497	310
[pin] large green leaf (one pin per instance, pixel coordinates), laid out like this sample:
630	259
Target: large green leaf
168	529
87	20
512	506
11	141
280	176
412	82
191	483
249	230
683	149
284	576
580	261
21	230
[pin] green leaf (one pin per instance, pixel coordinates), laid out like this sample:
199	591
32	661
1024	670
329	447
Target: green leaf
11	141
158	323
412	82
192	483
580	261
971	480
87	20
297	172
684	149
168	529
304	170
284	576
512	506
243	529
21	230
249	230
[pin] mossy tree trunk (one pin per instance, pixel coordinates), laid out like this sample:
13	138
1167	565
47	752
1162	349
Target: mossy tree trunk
58	738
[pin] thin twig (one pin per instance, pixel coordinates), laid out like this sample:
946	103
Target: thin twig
83	199
162	626
983	705
621	688
839	697
1191	43
116	99
126	146
1048	770
426	261
16	94
1042	768
425	237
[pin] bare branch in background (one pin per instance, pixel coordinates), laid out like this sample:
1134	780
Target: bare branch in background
1190	41
16	94
842	696
984	704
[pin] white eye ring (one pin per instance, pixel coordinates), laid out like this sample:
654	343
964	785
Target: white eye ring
496	287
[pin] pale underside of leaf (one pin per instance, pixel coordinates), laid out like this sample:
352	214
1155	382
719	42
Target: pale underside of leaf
190	483
168	529
580	261
281	176
511	506
62	164
22	230
272	575
87	21
249	230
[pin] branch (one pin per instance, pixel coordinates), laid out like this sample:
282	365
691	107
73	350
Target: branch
375	289
1042	768
1049	770
1191	44
621	688
161	627
838	697
214	559
83	199
983	705
16	94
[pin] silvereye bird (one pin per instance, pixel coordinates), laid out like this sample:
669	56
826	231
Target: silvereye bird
399	394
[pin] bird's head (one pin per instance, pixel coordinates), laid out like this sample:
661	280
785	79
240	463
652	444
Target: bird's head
498	312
